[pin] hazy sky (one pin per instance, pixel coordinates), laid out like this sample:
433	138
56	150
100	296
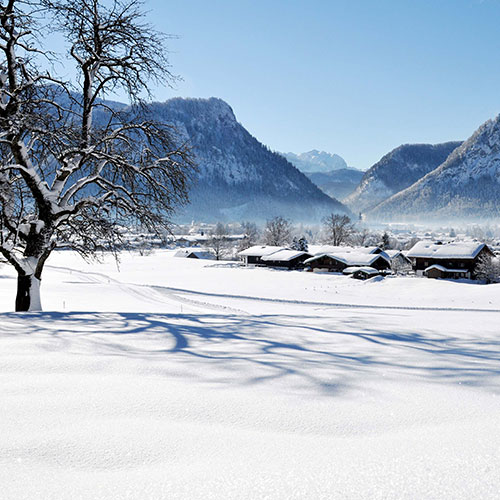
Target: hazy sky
356	78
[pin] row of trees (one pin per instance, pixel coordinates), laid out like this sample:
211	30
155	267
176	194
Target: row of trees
335	230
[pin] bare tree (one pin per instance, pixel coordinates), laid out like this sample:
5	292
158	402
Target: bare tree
364	237
73	168
411	243
338	229
278	231
219	242
400	265
488	269
251	235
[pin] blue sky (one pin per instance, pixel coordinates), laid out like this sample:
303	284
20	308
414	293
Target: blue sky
356	78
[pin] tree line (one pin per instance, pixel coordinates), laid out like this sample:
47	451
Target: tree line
335	229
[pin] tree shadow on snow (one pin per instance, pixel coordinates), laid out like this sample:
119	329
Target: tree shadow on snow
329	354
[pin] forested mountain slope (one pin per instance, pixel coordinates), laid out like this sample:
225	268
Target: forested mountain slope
467	184
239	178
396	171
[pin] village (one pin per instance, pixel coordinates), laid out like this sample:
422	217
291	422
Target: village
458	258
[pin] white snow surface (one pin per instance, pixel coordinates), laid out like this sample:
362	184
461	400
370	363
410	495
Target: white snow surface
185	379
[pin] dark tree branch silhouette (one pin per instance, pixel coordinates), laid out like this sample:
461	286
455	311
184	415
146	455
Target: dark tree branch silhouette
74	168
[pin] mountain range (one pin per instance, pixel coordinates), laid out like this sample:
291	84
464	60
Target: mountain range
241	179
238	177
465	185
316	161
337	183
328	171
396	171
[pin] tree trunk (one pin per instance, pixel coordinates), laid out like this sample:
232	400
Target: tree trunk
28	293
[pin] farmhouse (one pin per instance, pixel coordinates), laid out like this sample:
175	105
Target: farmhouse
253	255
447	260
291	259
339	261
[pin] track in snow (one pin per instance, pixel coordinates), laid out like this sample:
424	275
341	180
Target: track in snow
143	291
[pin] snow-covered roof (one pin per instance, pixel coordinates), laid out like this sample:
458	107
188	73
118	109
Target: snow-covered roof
445	269
368	249
453	250
392	253
199	252
351	258
366	269
284	255
331	249
260	251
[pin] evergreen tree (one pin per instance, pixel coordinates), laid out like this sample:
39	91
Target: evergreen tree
299	244
386	242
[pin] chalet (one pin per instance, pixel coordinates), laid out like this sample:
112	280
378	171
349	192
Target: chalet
339	261
253	255
291	259
447	260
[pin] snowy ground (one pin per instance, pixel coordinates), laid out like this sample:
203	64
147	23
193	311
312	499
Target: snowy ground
173	378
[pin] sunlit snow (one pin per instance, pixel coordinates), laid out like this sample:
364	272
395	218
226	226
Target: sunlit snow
173	378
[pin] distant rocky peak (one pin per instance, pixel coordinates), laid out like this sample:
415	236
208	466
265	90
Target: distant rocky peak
316	161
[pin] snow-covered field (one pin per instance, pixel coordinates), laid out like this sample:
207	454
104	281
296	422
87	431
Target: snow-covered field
173	378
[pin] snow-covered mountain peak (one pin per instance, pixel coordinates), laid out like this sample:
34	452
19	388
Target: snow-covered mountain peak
316	161
467	184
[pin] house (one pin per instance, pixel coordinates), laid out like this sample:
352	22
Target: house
291	259
253	255
437	271
193	253
339	261
457	259
364	273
